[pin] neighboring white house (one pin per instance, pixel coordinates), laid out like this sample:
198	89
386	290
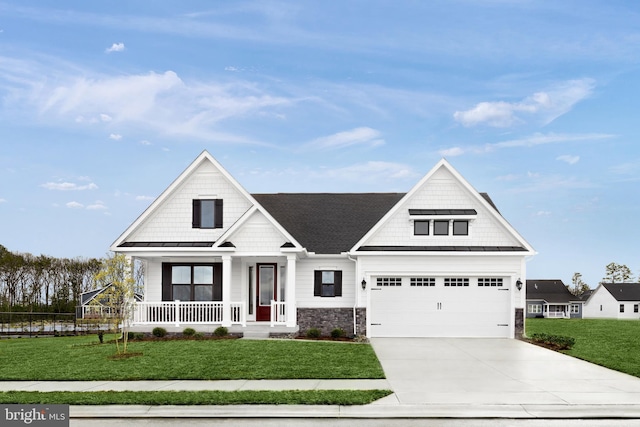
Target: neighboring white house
614	301
439	260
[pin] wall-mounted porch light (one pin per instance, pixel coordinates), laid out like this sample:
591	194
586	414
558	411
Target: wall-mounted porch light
364	284
519	284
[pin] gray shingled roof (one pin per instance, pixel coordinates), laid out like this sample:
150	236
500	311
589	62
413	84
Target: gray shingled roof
624	291
551	291
328	223
331	223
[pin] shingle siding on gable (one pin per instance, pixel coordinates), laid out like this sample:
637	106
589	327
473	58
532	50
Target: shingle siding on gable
257	235
172	221
442	191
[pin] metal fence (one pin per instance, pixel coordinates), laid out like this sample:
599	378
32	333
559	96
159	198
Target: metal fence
33	324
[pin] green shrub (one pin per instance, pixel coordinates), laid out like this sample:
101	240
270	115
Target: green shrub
159	332
189	332
338	333
313	333
560	342
198	336
130	335
221	331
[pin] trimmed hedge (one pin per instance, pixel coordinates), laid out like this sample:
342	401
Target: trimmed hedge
560	342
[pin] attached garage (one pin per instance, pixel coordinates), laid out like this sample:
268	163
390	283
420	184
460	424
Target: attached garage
440	307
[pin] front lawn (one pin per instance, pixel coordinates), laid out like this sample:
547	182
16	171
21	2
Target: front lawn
81	358
614	344
243	397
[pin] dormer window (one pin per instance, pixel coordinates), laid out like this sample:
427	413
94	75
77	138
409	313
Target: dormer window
460	228
207	213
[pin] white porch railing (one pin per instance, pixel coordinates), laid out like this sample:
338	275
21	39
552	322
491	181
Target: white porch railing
193	312
556	315
278	312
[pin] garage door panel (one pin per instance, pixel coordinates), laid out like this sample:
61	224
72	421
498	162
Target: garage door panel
439	311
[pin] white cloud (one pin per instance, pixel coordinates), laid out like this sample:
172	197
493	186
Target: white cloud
98	205
371	171
68	186
451	152
145	142
542	213
116	47
74	205
572	160
531	141
357	136
115	136
157	102
144	198
3	200
541	107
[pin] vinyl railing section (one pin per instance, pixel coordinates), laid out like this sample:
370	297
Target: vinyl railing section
556	315
190	312
278	313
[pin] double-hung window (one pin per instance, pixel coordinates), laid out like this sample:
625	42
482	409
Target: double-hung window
327	283
207	213
191	282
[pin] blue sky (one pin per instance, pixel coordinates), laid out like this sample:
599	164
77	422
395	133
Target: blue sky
104	103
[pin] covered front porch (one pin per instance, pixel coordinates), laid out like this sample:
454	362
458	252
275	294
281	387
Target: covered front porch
224	290
556	311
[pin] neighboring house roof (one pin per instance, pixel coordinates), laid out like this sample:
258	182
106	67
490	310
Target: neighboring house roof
624	291
551	291
328	223
87	297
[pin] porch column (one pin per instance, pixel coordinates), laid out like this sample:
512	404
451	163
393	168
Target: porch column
291	291
226	290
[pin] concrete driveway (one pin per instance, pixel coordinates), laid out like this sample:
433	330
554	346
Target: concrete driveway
474	371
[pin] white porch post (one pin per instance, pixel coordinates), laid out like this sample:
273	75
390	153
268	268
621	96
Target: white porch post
226	290
291	291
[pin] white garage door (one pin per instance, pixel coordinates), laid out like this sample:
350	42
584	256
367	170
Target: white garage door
440	307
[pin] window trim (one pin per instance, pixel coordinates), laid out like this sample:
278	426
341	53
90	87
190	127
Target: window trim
422	221
534	308
196	213
460	221
319	285
621	308
440	221
167	280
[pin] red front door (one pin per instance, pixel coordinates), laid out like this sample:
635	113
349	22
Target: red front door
266	285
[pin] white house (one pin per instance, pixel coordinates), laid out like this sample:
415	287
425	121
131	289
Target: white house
439	260
614	301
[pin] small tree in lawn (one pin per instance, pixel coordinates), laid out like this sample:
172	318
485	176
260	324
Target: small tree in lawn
116	276
579	287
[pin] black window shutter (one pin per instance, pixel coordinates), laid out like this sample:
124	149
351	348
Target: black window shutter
196	214
317	283
217	220
217	282
337	281
166	282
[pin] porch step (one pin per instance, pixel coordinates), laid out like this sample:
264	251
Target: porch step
256	335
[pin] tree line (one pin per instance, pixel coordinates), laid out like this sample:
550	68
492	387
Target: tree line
42	283
614	273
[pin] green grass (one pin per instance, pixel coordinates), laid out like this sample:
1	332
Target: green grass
290	397
614	344
81	358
